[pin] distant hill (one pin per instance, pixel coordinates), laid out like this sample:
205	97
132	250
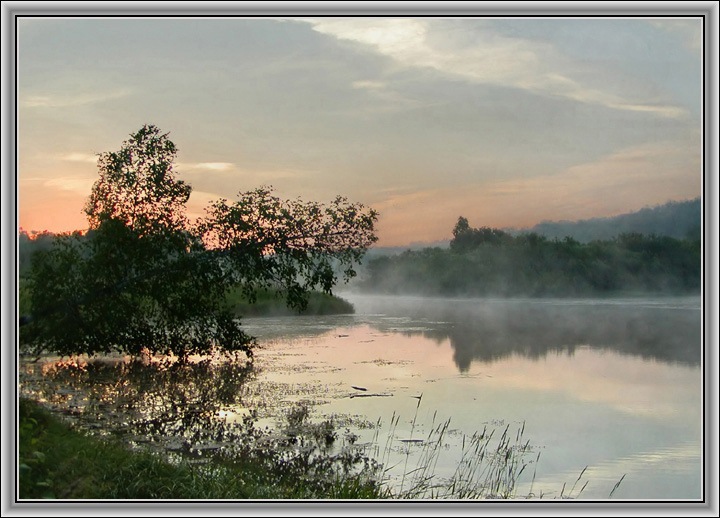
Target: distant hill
678	219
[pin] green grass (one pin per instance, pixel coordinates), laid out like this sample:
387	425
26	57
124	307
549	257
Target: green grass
272	303
59	462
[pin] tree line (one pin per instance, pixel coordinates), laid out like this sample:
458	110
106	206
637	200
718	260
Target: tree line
488	261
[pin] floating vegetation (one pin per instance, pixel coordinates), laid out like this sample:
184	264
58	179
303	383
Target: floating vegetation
208	411
380	362
351	396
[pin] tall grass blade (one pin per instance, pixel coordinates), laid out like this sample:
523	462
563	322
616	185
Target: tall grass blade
616	486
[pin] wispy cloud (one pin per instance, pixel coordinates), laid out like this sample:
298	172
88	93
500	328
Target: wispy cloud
633	177
487	58
70	99
79	157
207	166
71	183
369	85
74	183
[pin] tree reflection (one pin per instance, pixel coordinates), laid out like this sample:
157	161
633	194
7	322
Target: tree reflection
181	409
154	398
487	331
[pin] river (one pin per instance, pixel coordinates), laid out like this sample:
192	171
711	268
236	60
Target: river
606	391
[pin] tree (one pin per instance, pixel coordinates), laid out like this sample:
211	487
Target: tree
145	278
137	186
297	246
29	244
466	238
461	227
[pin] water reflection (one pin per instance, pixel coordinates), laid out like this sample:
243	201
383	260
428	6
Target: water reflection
204	411
588	408
150	400
487	330
618	387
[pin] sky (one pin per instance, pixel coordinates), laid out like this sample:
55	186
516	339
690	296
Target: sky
505	121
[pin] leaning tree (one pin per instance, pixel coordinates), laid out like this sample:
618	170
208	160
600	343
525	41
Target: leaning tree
145	277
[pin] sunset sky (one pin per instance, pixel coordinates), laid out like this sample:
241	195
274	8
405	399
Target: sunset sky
506	121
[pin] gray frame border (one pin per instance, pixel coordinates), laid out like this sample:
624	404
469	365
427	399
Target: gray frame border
11	10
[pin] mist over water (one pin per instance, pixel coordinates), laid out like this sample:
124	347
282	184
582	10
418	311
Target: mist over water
491	328
613	384
488	329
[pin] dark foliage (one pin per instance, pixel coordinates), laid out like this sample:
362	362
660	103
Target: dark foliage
492	262
145	278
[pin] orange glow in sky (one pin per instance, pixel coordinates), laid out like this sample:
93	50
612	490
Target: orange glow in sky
507	122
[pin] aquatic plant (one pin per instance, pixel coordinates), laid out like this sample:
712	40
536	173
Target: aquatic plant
487	468
187	413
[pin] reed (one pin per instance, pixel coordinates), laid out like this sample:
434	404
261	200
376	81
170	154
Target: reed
487	468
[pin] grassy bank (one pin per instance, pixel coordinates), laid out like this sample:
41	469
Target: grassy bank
268	303
60	462
272	303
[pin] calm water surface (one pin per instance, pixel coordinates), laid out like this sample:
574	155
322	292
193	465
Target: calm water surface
614	385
